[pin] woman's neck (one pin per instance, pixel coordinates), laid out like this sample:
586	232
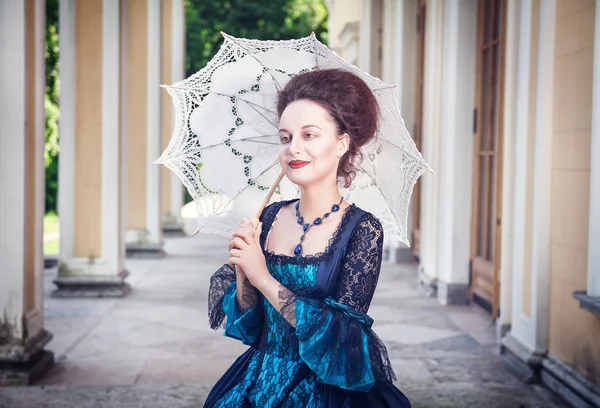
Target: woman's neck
317	200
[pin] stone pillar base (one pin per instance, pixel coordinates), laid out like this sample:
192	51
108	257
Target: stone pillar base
404	255
50	261
173	230
90	286
426	284
502	329
523	363
20	365
456	294
145	251
569	384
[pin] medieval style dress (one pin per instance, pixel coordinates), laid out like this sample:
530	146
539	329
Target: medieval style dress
330	357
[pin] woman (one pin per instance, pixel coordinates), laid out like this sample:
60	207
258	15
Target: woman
305	279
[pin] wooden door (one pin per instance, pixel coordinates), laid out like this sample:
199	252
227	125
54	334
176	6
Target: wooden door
484	288
418	128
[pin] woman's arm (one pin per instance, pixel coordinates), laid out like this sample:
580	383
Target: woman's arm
279	296
246	294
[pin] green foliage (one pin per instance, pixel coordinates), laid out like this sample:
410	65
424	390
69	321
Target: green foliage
51	145
51	104
255	19
50	222
52	54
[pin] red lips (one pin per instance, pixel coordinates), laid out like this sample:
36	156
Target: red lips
296	164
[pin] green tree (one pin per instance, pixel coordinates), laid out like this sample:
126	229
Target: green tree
256	19
51	104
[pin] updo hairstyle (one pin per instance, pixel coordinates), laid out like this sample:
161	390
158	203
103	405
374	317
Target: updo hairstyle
349	101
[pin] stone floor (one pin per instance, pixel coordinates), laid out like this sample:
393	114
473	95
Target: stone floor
154	348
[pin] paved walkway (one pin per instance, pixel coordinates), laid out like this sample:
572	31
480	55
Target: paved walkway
154	348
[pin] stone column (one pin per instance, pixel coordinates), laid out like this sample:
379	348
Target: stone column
593	282
527	342
456	151
511	74
173	64
366	35
22	87
91	261
144	230
428	274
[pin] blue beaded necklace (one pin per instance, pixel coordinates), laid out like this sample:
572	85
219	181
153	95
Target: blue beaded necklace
307	226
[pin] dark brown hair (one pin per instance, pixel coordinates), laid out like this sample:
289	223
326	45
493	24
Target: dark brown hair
348	99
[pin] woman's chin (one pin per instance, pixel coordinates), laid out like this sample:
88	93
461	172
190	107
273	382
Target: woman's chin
300	177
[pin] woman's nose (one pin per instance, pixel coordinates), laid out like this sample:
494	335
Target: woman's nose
296	145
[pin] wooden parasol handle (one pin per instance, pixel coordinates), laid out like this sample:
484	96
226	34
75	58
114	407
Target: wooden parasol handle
255	219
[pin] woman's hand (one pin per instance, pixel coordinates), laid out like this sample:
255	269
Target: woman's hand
245	227
245	252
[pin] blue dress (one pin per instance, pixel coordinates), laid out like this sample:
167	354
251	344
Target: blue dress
326	354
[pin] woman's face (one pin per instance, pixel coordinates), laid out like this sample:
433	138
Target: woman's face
310	146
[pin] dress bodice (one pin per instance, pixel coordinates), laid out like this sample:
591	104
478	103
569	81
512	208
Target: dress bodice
301	276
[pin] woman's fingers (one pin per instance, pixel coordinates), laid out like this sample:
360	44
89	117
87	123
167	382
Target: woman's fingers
238	243
235	253
248	237
258	233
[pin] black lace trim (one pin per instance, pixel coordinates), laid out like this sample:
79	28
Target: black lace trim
219	283
311	258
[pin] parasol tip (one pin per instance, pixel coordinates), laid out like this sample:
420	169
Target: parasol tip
196	232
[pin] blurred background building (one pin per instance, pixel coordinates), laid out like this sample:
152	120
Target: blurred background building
503	100
501	97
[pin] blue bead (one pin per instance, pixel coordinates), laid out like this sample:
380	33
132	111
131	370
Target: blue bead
335	208
300	220
302	238
298	249
297	205
318	221
306	227
326	215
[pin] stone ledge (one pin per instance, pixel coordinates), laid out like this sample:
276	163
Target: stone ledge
89	286
145	251
523	363
22	365
173	230
427	285
18	353
456	294
50	261
569	384
25	373
589	303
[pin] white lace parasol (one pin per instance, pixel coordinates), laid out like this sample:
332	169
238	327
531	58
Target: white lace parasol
224	146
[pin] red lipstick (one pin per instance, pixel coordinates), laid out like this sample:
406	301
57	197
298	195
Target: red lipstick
296	164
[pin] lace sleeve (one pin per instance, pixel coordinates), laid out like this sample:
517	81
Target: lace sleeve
361	265
220	282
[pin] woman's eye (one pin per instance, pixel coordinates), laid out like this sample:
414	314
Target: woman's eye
284	139
309	135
